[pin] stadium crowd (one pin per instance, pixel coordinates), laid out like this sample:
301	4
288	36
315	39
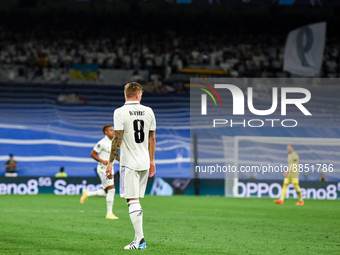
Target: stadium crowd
171	53
248	47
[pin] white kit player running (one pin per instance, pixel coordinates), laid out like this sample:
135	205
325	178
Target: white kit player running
103	149
135	127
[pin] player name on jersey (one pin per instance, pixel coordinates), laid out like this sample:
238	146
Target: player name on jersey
137	113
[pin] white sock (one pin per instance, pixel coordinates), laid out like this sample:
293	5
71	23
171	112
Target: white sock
98	193
109	200
136	216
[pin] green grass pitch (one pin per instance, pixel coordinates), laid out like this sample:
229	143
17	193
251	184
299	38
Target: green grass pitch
50	224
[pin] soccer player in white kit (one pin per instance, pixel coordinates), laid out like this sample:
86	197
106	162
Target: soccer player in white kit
135	127
103	149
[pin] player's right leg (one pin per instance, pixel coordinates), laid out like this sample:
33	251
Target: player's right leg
86	194
280	201
136	217
130	188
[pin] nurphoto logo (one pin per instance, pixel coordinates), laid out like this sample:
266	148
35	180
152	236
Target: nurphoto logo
238	106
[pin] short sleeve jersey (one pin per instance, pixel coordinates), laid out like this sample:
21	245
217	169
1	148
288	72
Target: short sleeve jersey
103	148
136	121
293	165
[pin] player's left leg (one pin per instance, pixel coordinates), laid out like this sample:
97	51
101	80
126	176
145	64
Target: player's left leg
295	181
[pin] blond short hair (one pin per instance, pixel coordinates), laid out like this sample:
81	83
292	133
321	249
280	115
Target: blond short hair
132	88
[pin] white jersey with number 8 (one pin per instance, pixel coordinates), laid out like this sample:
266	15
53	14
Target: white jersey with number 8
136	120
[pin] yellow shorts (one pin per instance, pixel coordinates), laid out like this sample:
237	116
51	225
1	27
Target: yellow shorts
291	180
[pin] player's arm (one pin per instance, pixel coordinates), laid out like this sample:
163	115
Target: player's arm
289	166
289	170
152	150
116	142
118	158
94	155
286	173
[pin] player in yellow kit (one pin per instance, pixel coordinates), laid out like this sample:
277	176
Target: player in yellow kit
291	176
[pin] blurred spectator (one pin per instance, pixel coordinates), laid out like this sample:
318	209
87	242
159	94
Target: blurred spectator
11	74
322	178
168	71
70	98
64	77
61	173
234	73
154	77
149	60
99	78
137	78
53	59
100	57
195	56
225	66
111	59
11	167
152	87
42	60
126	60
67	60
305	175
22	58
89	56
178	64
48	75
159	60
331	65
30	73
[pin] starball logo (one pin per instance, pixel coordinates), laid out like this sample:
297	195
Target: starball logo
238	99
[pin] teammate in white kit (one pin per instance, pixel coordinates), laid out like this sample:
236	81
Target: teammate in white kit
135	128
103	149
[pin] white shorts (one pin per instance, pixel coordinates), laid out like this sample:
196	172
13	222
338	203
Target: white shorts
102	175
132	183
